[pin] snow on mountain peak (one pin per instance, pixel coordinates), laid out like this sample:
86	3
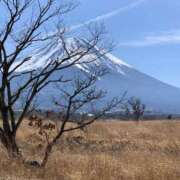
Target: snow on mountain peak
42	57
117	60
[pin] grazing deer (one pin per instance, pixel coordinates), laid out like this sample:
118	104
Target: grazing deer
35	121
38	122
49	126
52	126
45	126
32	119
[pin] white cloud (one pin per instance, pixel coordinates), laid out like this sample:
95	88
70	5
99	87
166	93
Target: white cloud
110	14
163	38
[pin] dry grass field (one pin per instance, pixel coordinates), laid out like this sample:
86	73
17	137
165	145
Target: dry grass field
109	150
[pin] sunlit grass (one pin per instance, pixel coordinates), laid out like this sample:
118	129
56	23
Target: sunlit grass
108	151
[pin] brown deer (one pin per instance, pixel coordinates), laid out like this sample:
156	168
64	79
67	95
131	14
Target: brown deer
52	126
32	119
38	122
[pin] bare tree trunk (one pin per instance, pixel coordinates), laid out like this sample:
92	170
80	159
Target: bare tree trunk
9	142
8	137
47	154
49	147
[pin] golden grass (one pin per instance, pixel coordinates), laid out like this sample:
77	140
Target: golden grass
110	150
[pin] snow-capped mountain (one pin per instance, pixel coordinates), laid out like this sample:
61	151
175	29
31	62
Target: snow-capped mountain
157	95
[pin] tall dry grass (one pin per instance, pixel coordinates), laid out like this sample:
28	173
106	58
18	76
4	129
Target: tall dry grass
110	150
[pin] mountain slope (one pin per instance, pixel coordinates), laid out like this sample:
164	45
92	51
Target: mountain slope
157	95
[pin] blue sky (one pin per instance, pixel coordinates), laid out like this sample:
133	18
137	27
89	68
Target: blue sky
147	32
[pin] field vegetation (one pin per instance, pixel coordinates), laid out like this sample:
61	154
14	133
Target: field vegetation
110	150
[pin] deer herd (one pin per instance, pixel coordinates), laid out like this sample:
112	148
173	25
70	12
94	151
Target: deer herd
37	122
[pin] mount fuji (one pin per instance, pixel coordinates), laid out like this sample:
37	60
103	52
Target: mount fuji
158	96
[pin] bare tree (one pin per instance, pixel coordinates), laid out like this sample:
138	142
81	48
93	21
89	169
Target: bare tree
134	108
81	95
24	28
